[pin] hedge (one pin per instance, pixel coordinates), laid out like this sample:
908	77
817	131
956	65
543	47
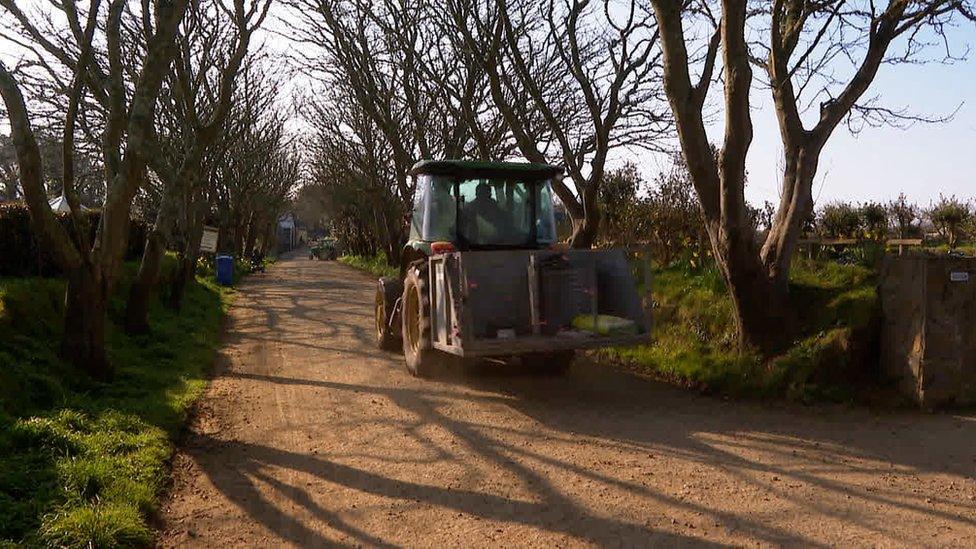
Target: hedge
21	253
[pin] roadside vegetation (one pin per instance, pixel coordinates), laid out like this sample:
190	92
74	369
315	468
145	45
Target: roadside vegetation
377	265
694	336
83	462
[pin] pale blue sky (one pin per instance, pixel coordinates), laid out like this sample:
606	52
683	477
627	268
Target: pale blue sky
879	163
921	161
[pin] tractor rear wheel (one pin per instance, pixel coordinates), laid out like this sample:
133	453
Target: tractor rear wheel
388	291
420	356
551	363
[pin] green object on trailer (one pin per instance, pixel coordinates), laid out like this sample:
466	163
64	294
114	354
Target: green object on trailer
605	325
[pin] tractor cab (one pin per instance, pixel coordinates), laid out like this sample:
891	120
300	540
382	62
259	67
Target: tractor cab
463	206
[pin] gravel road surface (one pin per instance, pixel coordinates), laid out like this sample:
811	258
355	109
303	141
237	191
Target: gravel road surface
309	436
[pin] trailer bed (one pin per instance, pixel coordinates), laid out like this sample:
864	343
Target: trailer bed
501	303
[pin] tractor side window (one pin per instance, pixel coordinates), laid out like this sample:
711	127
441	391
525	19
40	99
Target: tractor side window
417	217
545	222
441	210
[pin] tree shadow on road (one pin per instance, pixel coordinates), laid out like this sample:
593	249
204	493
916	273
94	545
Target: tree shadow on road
593	406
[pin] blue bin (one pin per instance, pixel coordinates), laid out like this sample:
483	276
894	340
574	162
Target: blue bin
225	270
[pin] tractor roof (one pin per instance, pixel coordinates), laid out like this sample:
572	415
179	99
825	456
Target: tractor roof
470	168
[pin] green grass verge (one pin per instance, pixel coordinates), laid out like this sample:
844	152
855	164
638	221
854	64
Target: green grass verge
694	336
83	463
376	265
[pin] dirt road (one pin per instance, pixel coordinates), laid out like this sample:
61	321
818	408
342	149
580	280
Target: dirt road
310	437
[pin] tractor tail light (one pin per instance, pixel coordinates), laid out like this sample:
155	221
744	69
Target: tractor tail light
442	248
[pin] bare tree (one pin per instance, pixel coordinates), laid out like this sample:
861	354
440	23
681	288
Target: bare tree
804	49
591	73
128	100
211	49
348	165
251	174
398	74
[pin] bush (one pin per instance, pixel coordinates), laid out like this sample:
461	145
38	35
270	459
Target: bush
839	220
904	217
376	265
23	254
951	218
874	221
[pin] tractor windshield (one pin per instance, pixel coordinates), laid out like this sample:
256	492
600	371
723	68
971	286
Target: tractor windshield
486	212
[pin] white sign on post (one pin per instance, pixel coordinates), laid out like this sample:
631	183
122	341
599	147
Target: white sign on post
959	276
209	241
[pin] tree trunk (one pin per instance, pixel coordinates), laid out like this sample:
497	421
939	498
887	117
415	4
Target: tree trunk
189	255
83	342
267	239
584	234
587	226
796	202
764	317
140	294
252	235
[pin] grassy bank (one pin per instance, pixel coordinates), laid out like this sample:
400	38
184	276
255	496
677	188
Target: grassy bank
694	336
376	265
83	463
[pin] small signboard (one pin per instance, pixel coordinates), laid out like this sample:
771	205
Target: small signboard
959	276
209	241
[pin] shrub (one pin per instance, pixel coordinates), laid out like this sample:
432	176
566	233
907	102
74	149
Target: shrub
676	227
904	217
874	221
22	252
951	218
376	265
839	220
833	357
621	206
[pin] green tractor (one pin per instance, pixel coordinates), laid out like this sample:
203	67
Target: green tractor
482	275
324	248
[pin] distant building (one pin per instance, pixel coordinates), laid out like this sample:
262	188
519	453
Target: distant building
60	205
287	237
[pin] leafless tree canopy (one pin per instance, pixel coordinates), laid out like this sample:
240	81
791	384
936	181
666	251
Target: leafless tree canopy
563	82
168	109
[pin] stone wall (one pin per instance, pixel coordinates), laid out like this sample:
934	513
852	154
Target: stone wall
928	339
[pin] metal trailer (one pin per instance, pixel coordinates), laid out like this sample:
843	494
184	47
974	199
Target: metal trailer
513	302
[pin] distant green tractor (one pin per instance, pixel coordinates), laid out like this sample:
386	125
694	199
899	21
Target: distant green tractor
324	248
482	275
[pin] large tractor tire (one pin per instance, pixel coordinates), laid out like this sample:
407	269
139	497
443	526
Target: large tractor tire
388	332
421	358
552	363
